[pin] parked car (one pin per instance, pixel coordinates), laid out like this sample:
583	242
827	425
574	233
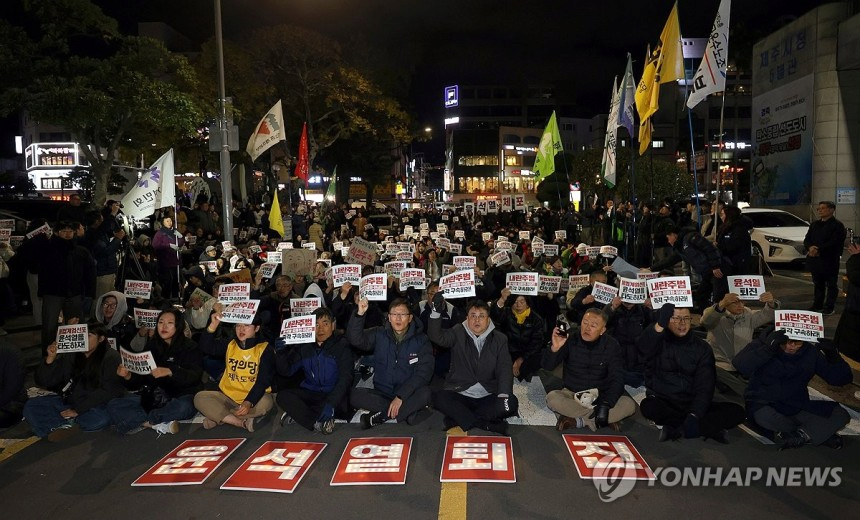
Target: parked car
777	235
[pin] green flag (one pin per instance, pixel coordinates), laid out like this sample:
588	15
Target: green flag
331	192
550	144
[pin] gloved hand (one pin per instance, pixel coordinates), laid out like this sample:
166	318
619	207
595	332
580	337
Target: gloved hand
601	414
503	405
828	348
327	413
279	345
665	314
438	302
774	340
691	426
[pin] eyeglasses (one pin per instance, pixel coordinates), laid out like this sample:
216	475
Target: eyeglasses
399	314
478	316
682	319
109	305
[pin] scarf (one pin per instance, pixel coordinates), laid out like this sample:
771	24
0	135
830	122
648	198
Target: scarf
521	317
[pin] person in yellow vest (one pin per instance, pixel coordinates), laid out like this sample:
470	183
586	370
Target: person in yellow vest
244	392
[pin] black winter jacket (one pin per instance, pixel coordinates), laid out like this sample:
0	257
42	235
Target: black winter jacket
590	365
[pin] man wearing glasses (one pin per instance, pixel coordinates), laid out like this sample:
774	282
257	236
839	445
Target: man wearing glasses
680	379
402	366
478	390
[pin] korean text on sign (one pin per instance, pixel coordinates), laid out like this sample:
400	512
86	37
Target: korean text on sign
672	289
460	284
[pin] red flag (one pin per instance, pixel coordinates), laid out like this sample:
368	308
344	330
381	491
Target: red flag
302	166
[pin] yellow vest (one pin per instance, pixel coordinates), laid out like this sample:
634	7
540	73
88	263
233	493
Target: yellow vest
243	367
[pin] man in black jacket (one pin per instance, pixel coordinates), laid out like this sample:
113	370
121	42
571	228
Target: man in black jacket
824	243
704	258
593	376
680	379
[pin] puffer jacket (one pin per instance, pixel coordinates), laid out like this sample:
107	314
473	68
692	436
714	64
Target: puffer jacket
327	368
598	364
524	340
492	368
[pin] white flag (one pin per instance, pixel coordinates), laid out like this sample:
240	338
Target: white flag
711	76
270	130
608	166
155	189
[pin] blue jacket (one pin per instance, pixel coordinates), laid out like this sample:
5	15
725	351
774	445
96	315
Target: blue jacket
327	367
398	368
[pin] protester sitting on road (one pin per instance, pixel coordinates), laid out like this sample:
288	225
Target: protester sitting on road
593	374
731	326
779	370
326	365
244	389
679	381
112	312
626	323
84	383
402	366
525	330
12	393
166	395
478	390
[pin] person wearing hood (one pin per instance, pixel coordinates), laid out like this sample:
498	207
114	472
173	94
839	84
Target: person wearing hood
165	395
112	312
478	390
402	366
244	391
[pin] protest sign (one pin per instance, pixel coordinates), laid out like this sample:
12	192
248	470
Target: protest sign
361	252
394	268
550	249
240	312
284	245
593	250
72	338
298	262
45	228
276	466
304	306
137	362
800	325
500	258
441	229
234	292
624	269
344	273
455	248
268	270
337	246
443	243
578	281
632	291
676	290
460	284
464	262
561	234
403	256
524	235
138	289
192	462
582	250
647	275
486	236
209	266
5	236
523	283
310	246
255	250
7	223
538	246
146	318
373	461
607	457
608	250
603	293
413	278
273	257
749	287
374	287
15	241
299	329
459	233
504	245
549	284
478	459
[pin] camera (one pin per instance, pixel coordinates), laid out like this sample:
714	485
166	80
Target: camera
562	327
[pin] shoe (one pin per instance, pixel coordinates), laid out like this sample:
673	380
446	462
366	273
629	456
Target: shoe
164	428
448	423
719	436
565	423
249	424
419	416
496	426
795	439
208	424
326	427
135	430
369	420
828	312
286	419
63	432
833	442
668	433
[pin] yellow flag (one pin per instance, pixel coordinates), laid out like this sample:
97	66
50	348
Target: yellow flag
646	100
644	135
275	220
671	62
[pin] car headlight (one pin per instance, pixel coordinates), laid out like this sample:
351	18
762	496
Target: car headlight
777	240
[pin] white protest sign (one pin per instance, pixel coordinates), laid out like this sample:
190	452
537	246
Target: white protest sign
441	229
5	235
800	325
632	291
561	234
138	289
456	249
748	287
138	362
299	329
603	293
444	243
459	233
273	257
582	250
304	306
209	266
504	245
234	292
361	252
608	251
255	250
413	278
374	287
408	230
647	275
500	258
7	223
593	250
434	235
577	282
72	338
524	235
538	245
394	267
523	283
464	262
486	236
549	284
550	249
146	318
268	270
240	312
309	245
343	273
676	290
45	228
459	284
337	246
403	256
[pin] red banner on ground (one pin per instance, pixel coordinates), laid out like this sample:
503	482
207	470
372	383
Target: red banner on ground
276	466
372	461
478	459
192	462
607	456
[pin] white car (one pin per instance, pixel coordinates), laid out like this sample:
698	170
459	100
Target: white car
777	234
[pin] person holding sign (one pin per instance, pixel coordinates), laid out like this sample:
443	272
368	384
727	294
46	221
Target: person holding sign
326	364
166	394
478	390
626	323
779	370
580	300
112	311
450	316
525	330
84	383
244	391
402	366
679	381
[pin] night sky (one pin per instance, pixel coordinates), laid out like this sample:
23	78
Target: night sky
576	45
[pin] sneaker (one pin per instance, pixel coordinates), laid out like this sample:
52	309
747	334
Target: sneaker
499	426
63	432
286	419
833	442
249	424
419	416
171	427
325	427
790	440
369	420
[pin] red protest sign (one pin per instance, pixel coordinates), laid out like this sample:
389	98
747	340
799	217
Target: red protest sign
190	463
276	466
478	459
373	461
602	456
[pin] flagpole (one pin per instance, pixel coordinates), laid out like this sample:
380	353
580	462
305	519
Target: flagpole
719	160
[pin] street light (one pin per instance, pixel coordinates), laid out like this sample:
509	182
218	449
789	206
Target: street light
226	177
